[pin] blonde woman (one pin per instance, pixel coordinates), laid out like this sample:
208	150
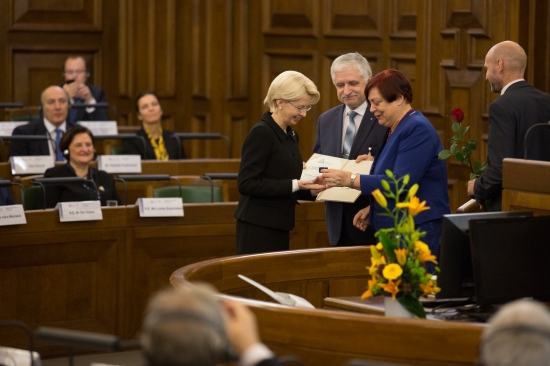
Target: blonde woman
271	166
160	144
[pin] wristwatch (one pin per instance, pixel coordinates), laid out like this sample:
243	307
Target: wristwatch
352	179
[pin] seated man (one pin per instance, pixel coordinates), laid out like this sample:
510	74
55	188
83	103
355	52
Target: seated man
55	106
518	335
76	73
188	325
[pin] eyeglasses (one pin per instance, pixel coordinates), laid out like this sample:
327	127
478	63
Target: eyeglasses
76	72
300	109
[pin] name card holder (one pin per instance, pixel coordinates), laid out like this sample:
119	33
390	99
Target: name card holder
119	163
101	128
30	164
12	215
7	127
79	211
160	207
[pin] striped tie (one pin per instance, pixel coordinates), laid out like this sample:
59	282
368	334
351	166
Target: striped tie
350	134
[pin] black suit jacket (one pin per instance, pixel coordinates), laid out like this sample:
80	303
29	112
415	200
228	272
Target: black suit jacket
510	116
32	148
329	142
270	160
80	192
135	147
80	114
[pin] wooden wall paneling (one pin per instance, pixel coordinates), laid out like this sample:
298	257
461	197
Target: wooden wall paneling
236	49
126	37
200	51
360	19
283	17
44	15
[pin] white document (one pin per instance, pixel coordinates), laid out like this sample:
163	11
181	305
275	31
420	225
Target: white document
281	297
80	211
160	207
7	127
31	164
101	128
119	163
337	194
12	215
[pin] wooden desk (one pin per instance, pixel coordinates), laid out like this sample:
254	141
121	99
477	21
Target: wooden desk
525	186
98	275
327	337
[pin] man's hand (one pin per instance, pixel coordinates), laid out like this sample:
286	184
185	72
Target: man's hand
364	157
84	93
471	185
240	322
361	219
71	89
310	184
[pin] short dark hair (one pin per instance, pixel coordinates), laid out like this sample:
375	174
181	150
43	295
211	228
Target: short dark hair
391	84
68	136
74	57
144	93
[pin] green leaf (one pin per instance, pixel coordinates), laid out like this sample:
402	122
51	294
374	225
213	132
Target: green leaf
413	306
389	246
444	154
465	130
454	149
472	144
456	127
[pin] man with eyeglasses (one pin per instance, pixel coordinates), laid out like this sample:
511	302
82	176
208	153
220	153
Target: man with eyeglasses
76	73
349	130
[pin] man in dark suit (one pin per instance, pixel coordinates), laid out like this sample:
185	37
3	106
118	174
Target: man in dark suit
189	325
55	105
5	197
76	73
350	73
519	107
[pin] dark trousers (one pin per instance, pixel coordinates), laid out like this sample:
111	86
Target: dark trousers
260	239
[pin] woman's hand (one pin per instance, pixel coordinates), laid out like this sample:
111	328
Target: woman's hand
361	219
366	157
310	184
336	178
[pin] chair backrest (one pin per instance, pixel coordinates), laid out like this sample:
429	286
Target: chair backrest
33	199
190	194
116	150
22	114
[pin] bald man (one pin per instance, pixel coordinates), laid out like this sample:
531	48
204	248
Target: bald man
519	107
55	106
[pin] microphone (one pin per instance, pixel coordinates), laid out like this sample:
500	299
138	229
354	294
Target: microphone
8	183
210	176
527	134
11	105
20	324
85	105
76	338
60	181
203	136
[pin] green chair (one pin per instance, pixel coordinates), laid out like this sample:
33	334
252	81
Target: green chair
190	194
33	199
117	150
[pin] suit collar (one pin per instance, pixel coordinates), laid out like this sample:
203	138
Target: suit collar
278	130
50	127
507	86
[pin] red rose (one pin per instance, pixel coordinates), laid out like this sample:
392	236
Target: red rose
458	115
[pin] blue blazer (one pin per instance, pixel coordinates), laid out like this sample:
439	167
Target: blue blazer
5	197
329	142
411	149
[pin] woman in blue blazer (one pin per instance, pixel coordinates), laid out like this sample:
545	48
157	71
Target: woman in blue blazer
411	148
271	166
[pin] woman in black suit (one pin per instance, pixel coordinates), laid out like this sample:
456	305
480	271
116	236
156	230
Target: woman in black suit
160	144
271	166
77	145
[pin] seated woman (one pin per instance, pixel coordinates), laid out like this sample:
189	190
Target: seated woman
159	144
77	145
411	148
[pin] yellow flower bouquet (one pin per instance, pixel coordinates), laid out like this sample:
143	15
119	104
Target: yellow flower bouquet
397	262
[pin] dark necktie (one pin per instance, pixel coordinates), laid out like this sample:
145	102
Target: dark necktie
58	152
73	111
350	134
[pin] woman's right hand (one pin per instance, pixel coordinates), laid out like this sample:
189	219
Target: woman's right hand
361	219
310	184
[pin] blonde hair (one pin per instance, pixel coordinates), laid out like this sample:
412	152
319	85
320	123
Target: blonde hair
290	85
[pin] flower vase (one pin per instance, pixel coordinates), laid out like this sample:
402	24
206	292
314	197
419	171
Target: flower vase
394	308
